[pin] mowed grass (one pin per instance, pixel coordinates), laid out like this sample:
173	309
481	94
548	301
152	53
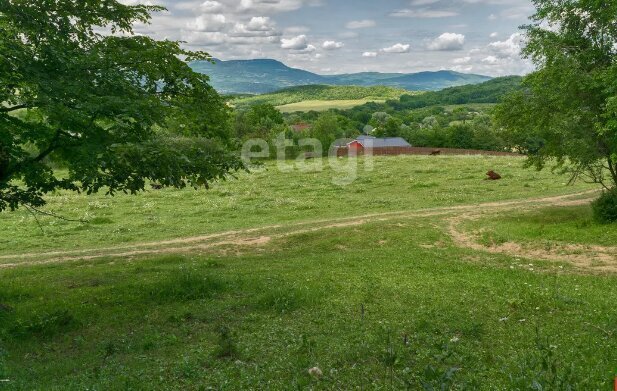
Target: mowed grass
385	305
271	196
325	105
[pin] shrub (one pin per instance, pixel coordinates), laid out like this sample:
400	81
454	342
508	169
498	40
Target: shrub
47	324
605	207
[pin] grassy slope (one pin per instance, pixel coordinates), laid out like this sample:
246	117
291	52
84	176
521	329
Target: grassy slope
270	197
322	93
345	301
571	225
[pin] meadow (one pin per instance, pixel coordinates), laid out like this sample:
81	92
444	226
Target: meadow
325	105
250	284
301	94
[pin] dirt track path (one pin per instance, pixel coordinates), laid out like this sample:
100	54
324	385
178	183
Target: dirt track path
585	257
255	237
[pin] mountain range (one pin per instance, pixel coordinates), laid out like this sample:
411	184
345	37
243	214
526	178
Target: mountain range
264	76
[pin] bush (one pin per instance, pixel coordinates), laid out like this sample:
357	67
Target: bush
46	324
605	207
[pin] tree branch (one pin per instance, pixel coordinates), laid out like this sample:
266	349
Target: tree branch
33	213
52	146
33	209
613	170
14	108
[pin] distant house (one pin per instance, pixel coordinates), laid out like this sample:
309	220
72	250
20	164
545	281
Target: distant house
379	146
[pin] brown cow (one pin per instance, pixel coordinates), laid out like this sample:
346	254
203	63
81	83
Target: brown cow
493	176
436	152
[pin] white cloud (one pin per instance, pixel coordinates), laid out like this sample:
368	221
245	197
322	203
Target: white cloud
256	27
423	13
208	23
259	23
332	45
494	35
462	60
360	24
397	48
447	41
274	6
490	60
309	49
296	43
510	48
462	68
243	29
211	6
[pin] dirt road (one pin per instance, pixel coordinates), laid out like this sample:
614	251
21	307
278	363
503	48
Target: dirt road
600	258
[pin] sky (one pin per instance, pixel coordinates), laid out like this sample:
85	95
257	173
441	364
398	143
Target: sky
339	36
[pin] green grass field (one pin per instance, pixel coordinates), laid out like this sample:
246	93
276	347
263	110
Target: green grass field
567	225
325	105
319	93
362	281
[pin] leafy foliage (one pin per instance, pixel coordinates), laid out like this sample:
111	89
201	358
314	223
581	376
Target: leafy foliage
567	110
605	207
115	109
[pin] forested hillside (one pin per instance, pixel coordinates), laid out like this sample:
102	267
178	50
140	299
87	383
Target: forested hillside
489	92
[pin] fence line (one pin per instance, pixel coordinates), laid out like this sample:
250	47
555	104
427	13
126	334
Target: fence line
344	151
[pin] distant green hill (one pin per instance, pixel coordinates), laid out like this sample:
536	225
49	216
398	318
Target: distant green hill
489	92
264	76
321	93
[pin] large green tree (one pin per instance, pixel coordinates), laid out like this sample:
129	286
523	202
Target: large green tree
80	91
567	110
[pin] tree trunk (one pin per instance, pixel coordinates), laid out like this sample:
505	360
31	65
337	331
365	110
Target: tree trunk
613	170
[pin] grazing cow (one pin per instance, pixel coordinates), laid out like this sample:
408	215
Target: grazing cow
156	186
493	176
436	152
